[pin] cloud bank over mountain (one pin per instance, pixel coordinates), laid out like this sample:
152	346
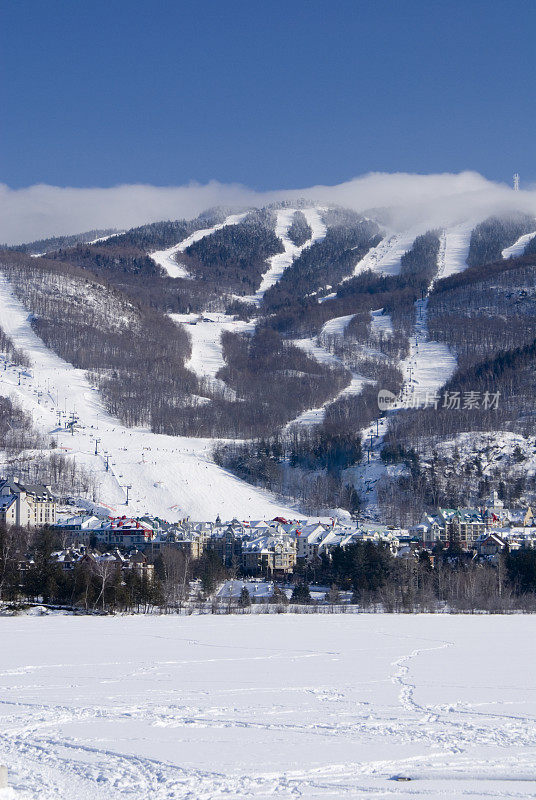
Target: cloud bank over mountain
443	199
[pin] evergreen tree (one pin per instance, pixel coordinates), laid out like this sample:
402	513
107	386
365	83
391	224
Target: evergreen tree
301	594
244	601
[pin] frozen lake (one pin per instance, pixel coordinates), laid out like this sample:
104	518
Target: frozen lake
279	706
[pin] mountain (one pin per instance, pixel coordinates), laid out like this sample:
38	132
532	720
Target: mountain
232	363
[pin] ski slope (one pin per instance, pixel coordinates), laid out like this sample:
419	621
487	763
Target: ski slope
166	258
453	255
429	364
385	258
281	261
205	332
171	477
518	248
315	416
269	707
381	325
337	325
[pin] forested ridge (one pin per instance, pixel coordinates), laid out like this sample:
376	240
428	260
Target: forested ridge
105	308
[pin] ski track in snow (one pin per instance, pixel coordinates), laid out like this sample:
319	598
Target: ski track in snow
280	706
429	364
166	258
172	477
281	261
518	248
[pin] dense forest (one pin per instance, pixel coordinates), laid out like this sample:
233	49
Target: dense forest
300	231
235	256
325	263
59	242
492	236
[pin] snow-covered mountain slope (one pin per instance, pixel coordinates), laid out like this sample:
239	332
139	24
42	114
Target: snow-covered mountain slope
205	335
453	256
381	324
385	257
429	364
337	325
314	416
518	248
311	304
166	258
281	261
173	477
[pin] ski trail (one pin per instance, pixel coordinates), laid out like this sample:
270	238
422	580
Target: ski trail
205	332
105	238
281	261
385	257
381	325
166	258
337	325
518	248
315	416
171	477
453	257
427	367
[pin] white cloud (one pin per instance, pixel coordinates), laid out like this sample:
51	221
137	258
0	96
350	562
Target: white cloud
41	210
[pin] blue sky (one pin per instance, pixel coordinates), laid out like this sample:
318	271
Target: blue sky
270	94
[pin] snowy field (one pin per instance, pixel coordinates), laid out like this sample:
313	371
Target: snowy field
278	706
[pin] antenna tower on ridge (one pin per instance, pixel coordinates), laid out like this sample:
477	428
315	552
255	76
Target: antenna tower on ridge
516	182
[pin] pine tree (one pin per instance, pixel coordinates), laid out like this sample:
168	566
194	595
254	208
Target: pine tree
244	601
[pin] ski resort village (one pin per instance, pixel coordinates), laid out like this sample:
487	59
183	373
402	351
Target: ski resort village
268	400
62	555
299	395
